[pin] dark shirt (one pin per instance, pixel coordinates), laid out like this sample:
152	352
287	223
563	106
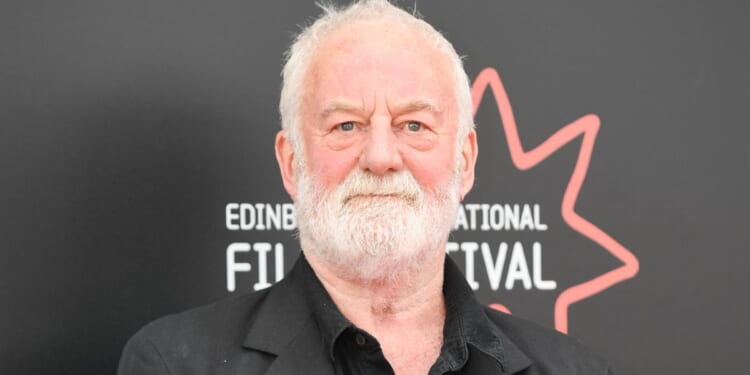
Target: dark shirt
355	351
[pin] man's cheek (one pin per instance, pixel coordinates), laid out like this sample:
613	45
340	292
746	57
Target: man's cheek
427	177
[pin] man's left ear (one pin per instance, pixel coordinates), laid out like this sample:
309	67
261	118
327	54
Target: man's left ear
285	159
469	151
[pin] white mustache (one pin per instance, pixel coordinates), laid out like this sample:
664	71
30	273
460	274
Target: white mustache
360	184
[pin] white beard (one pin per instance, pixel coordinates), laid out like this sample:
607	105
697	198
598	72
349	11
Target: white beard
374	228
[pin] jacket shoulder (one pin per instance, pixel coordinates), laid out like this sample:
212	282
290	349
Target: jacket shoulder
550	351
193	341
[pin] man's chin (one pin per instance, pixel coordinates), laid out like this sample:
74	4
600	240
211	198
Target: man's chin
375	264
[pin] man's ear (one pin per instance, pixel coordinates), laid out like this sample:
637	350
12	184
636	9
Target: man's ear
469	151
285	158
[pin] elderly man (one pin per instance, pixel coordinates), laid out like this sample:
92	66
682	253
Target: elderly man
377	149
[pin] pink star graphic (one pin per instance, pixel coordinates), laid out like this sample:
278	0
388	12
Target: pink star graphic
586	126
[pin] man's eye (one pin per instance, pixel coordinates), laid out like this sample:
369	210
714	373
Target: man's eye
414	126
346	126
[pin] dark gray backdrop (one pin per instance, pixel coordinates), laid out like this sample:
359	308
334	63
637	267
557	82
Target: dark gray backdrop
126	128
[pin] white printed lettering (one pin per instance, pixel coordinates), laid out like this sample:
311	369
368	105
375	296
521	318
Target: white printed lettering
518	269
234	267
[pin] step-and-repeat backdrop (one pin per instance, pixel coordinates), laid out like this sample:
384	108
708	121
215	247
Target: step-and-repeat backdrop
138	174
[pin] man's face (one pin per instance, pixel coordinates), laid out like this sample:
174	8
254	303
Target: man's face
380	99
382	168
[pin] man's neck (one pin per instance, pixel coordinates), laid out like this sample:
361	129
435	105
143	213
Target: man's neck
374	303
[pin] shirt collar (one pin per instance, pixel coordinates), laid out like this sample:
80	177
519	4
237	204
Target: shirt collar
328	317
466	321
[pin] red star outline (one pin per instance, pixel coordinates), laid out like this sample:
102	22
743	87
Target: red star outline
587	126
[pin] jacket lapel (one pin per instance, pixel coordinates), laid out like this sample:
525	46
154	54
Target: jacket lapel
284	326
305	354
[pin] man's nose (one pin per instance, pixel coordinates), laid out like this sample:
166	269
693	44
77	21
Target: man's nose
380	154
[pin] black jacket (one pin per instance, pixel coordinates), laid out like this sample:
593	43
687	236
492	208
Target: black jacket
274	331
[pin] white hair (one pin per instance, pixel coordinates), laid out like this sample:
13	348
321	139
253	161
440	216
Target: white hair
302	51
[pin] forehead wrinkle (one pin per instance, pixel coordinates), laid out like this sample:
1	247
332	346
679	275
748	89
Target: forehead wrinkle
343	105
417	105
